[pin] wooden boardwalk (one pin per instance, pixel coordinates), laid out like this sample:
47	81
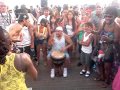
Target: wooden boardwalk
73	82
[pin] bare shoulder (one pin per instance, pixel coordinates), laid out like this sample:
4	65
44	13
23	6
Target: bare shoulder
15	27
25	58
22	61
117	21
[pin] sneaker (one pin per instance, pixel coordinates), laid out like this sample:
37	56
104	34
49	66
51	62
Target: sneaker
65	72
52	75
82	72
87	74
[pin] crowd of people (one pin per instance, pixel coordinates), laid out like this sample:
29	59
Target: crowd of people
93	34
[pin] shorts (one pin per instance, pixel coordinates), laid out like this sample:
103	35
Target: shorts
42	41
85	59
74	39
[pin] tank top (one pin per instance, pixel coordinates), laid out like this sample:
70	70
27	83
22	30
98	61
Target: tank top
42	31
69	30
26	38
86	49
58	43
10	77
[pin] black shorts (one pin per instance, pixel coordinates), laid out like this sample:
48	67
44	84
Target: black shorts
25	49
42	41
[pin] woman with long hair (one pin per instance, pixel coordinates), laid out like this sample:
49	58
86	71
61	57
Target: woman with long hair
52	23
70	28
13	67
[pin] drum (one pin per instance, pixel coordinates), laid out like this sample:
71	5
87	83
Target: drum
58	57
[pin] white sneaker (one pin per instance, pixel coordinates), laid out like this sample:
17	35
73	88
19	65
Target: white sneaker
82	72
87	74
65	72
52	75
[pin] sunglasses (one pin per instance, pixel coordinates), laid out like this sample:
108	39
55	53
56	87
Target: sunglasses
108	16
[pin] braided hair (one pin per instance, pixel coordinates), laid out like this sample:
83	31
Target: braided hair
5	43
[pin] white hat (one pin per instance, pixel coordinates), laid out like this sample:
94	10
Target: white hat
59	28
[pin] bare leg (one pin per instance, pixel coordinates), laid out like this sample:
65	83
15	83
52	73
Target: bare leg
67	63
50	63
107	67
101	72
44	51
38	53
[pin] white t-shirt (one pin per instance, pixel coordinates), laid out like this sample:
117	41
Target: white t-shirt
43	16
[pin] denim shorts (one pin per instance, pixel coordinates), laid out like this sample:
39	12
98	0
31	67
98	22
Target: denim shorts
40	41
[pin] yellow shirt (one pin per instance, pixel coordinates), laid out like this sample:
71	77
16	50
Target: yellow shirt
43	31
10	77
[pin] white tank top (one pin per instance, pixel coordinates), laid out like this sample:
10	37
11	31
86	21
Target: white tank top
69	30
26	38
58	43
86	49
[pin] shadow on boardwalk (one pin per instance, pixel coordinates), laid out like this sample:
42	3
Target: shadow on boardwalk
73	82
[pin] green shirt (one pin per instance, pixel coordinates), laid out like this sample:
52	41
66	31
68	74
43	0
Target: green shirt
80	35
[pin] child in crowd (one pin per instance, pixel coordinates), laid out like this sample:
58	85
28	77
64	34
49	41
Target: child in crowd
86	49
